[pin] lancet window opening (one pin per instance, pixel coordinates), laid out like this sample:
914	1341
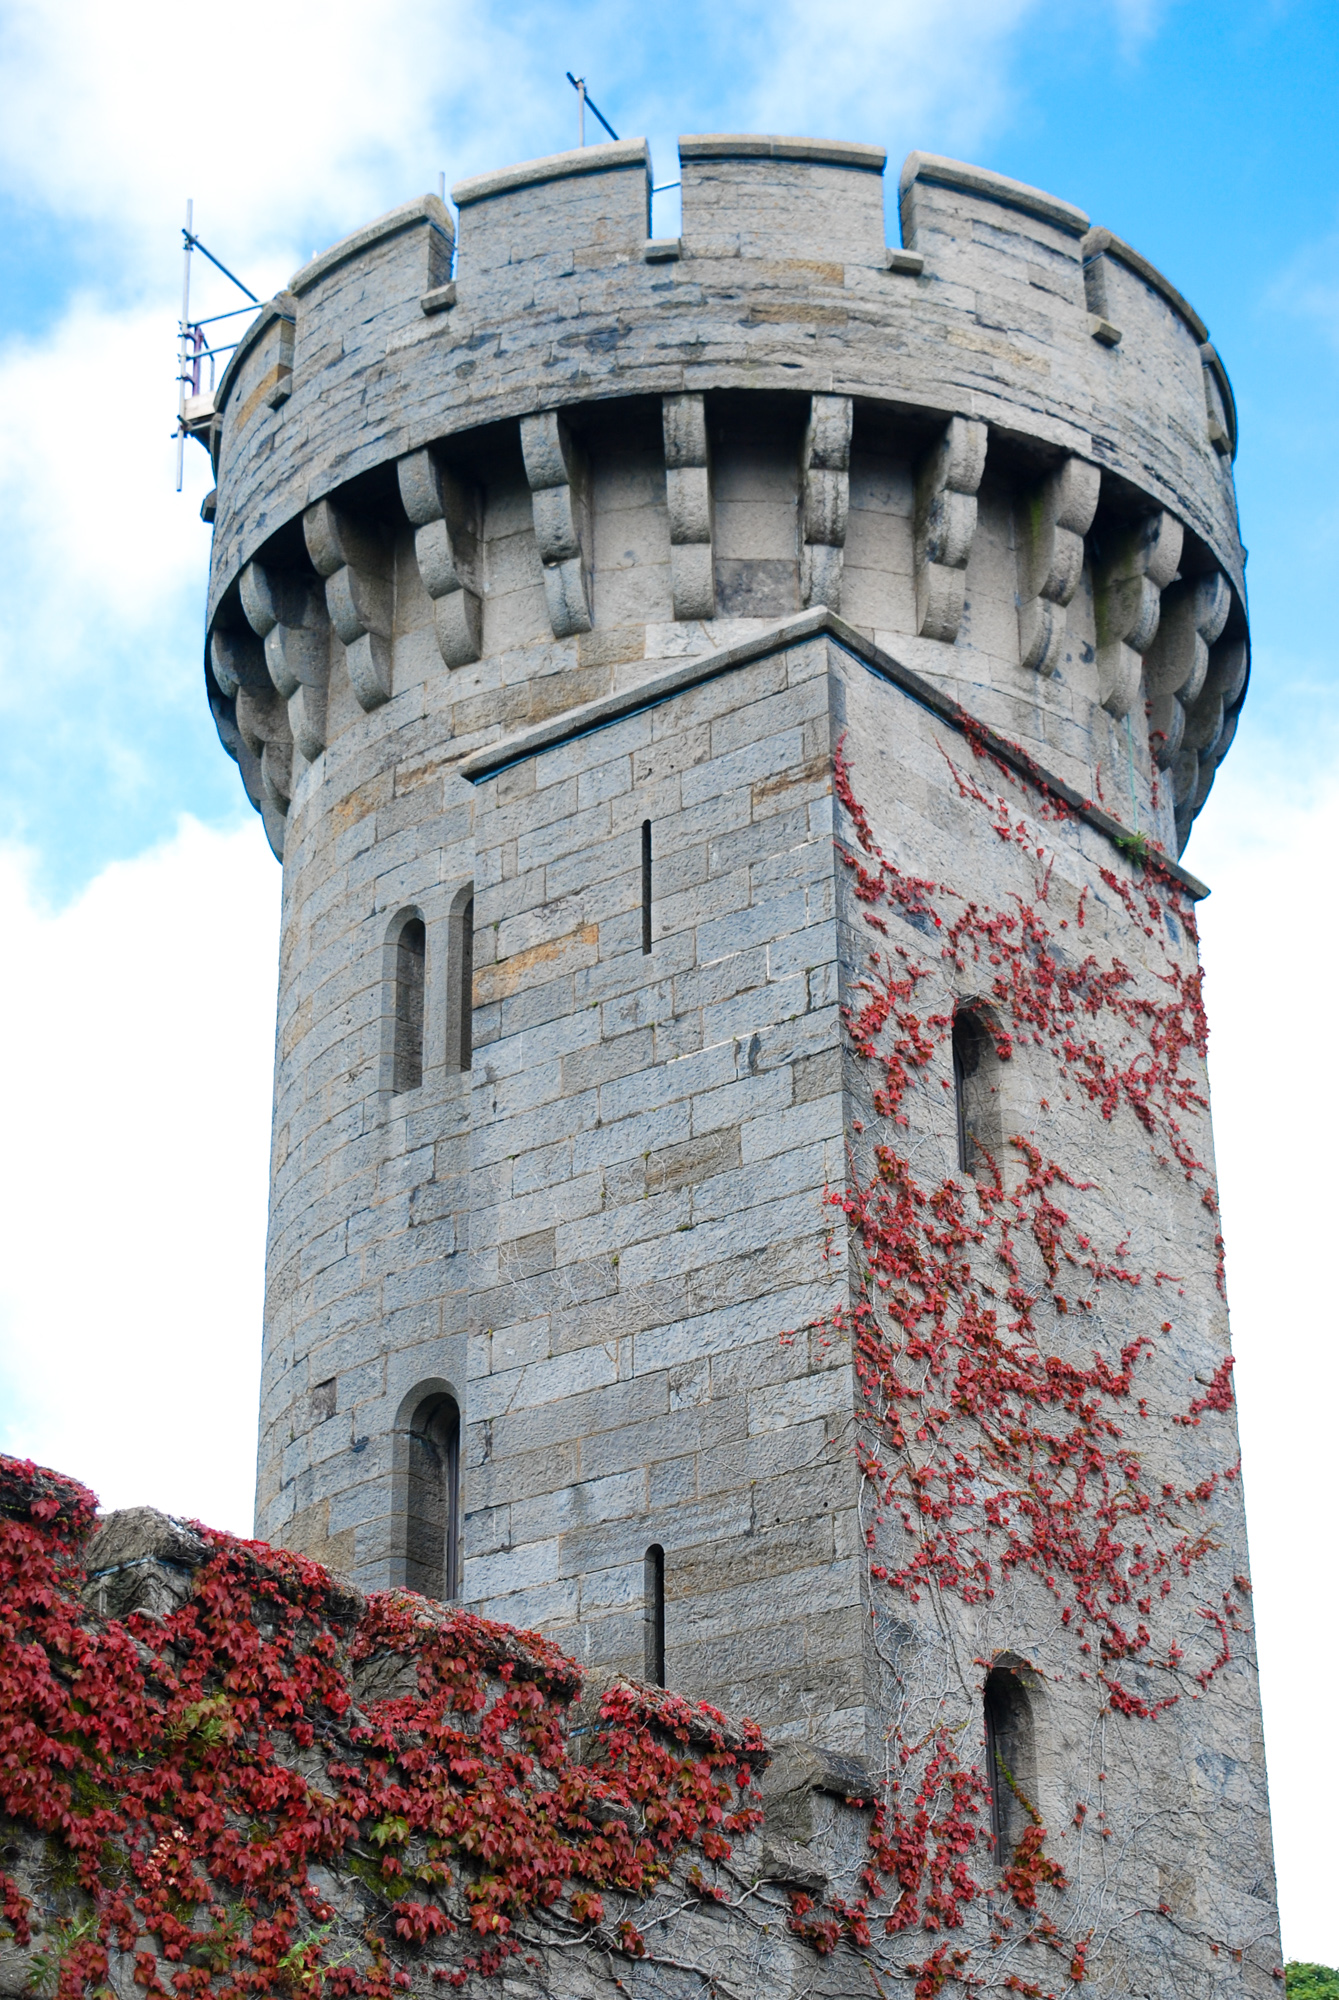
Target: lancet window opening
655	1615
646	885
976	1090
432	1510
1010	1759
411	964
460	1025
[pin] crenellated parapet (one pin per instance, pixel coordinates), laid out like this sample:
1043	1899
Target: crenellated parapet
569	450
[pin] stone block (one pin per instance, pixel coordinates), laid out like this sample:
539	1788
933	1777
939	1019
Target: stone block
746	195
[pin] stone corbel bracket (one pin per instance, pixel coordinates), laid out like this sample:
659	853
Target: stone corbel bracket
827	499
237	659
288	613
1211	724
945	524
688	497
1136	565
262	724
1176	666
551	468
223	708
357	596
1056	517
446	514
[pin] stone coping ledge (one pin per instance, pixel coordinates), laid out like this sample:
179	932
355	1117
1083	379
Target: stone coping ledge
1102	243
426	208
942	172
771	146
1213	360
283	305
661	687
554	167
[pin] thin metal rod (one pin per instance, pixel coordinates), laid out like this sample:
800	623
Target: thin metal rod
578	84
603	120
214	318
199	353
195	244
183	338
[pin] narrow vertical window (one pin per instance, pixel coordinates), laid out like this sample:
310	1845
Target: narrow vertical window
976	1092
464	1008
1010	1760
646	885
432	1520
655	1615
411	952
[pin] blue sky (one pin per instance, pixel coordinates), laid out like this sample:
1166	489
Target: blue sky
137	900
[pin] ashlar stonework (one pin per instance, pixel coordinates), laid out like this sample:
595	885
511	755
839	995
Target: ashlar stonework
729	710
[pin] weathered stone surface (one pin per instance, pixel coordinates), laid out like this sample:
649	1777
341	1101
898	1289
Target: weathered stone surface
593	575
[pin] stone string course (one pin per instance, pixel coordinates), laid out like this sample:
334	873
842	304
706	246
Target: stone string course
556	531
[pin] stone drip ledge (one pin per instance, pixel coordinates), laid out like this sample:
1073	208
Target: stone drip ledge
808	1792
138	1559
663	686
704	1731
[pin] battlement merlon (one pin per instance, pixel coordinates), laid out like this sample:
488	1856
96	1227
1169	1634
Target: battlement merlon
1069	359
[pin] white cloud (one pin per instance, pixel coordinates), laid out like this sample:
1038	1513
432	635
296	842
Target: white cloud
102	574
1137	21
293	116
1272	955
99	533
896	73
136	1027
1307	287
280	110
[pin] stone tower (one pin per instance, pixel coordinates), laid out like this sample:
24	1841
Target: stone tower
729	708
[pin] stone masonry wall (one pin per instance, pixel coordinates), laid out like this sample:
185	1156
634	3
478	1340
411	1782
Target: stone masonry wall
591	541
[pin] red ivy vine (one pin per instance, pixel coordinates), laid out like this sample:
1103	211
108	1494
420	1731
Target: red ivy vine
987	1452
196	1775
204	1776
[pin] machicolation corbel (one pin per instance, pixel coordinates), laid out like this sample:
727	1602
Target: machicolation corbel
1211	724
288	612
553	472
1192	616
827	498
688	498
945	524
445	511
1055	518
1209	716
1136	566
237	659
262	724
357	595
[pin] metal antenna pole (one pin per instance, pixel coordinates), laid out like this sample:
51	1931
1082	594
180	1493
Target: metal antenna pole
578	84
181	343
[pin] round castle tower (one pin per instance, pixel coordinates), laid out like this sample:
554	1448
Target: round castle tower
550	568
670	670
